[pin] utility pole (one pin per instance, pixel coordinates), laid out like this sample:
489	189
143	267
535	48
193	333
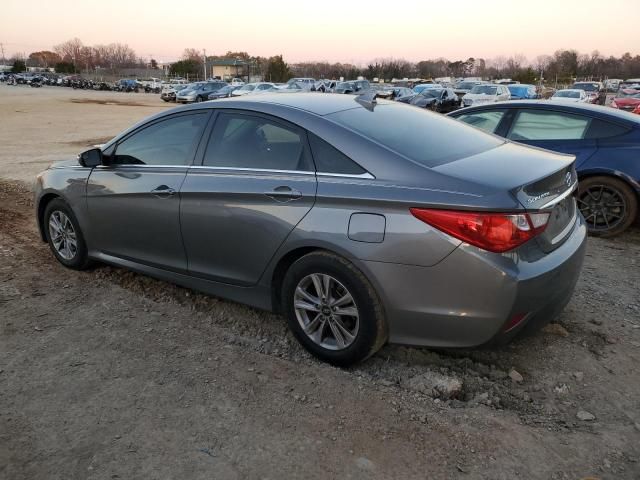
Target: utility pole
204	65
2	49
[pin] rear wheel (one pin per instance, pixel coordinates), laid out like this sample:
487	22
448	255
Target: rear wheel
609	205
332	309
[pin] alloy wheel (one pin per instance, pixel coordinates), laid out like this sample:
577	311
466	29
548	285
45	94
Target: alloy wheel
63	235
326	311
602	206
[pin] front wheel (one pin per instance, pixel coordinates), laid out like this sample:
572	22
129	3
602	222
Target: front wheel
64	236
609	205
333	310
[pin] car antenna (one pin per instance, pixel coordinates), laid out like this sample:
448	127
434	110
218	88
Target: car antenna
367	99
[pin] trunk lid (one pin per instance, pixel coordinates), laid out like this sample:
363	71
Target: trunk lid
540	180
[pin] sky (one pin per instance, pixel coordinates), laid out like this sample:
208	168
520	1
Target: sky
354	31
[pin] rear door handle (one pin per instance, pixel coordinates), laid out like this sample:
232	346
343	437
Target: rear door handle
163	191
284	194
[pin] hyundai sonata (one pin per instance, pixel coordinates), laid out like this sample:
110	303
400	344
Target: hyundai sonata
361	221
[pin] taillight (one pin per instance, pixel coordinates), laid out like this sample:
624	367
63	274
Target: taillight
495	232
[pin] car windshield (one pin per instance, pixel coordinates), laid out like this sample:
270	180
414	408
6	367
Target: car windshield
588	87
484	89
345	85
432	92
227	89
247	88
567	94
415	133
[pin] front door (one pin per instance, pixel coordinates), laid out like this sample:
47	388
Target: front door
255	184
134	201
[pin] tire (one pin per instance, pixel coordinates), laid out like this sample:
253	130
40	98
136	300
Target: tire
602	195
80	259
367	329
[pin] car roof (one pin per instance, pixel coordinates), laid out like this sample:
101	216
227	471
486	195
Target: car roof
585	108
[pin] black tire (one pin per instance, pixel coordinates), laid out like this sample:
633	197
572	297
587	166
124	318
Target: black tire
80	260
372	330
589	190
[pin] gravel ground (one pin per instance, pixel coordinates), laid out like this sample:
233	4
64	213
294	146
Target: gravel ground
109	374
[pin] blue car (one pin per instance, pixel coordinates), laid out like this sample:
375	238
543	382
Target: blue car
605	142
522	91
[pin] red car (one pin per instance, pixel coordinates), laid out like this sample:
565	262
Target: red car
627	99
637	109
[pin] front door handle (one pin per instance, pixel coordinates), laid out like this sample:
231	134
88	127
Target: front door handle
163	191
284	194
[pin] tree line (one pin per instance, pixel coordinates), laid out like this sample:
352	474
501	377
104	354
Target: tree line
563	66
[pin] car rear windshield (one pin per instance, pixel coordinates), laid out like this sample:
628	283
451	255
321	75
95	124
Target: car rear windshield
424	137
567	94
486	89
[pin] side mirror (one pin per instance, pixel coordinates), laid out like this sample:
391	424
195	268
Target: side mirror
91	158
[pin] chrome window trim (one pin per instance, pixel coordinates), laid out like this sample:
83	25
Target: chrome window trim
257	170
365	175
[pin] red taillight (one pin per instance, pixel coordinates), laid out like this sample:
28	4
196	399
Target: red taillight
495	232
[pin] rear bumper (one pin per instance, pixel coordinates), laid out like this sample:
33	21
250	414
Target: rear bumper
469	298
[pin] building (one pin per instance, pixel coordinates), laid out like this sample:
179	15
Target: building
227	68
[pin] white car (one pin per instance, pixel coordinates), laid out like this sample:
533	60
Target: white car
571	95
486	93
236	82
253	88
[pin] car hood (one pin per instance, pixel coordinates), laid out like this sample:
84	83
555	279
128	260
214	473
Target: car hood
627	102
71	162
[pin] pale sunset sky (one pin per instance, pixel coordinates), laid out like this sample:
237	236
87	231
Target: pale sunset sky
353	31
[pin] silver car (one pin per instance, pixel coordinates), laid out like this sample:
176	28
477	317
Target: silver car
361	221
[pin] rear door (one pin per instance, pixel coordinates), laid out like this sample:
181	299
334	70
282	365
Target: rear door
555	130
255	183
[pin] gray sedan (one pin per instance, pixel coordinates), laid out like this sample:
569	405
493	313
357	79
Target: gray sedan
361	221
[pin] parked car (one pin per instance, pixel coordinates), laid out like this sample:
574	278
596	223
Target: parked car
464	87
353	219
170	90
253	88
594	90
637	110
486	93
199	92
236	82
305	81
437	99
352	86
626	99
571	95
151	85
122	85
426	86
522	91
224	92
605	142
325	86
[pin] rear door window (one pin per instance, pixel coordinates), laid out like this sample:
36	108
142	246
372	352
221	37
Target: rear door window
253	142
487	120
603	129
548	125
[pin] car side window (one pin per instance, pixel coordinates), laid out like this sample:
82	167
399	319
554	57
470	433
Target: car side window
603	129
246	141
487	121
548	125
329	159
167	142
